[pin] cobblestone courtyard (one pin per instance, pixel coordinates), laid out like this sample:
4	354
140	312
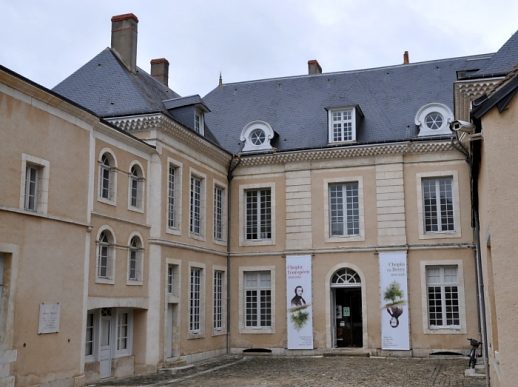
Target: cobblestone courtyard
314	371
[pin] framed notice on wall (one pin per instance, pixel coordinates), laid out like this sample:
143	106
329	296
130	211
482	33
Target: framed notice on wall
49	318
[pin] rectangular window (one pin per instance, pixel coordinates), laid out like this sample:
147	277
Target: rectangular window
198	122
136	187
258	303
32	186
171	196
219	193
122	331
344	215
104	259
195	300
258	214
342	125
172	279
218	299
89	343
195	218
438	204
443	296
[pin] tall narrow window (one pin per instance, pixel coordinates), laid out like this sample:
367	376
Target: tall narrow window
122	331
438	204
89	343
105	255
258	214
171	197
218	212
344	217
135	260
218	300
136	187
172	279
107	177
198	122
443	296
195	300
342	125
195	218
258	299
32	176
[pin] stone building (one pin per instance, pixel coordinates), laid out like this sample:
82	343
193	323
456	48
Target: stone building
307	214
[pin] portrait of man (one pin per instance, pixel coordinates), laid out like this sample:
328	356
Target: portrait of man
298	300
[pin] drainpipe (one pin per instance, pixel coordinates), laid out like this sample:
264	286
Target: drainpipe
234	162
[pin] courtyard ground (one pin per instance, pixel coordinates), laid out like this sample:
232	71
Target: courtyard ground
313	371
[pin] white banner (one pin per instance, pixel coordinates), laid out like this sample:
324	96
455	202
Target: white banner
298	298
395	333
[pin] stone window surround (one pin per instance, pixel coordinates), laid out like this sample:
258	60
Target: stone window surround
140	281
43	189
177	230
222	330
112	202
224	187
107	281
142	186
201	332
242	214
203	204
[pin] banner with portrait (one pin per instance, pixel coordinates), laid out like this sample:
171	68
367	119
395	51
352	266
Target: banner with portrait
299	299
395	332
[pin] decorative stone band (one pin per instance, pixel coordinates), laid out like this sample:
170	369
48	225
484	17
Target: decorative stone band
158	121
347	152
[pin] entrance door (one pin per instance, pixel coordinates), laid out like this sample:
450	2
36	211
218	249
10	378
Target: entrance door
171	330
105	347
348	317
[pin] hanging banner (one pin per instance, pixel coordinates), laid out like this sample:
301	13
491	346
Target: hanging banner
395	333
298	297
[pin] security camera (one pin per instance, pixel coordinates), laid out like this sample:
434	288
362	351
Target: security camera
462	126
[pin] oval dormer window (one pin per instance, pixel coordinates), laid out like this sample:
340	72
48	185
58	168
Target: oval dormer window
256	136
433	119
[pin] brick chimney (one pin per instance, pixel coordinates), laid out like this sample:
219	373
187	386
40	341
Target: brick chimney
124	39
160	70
406	60
314	67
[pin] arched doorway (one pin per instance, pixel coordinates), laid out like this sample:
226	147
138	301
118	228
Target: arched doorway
346	308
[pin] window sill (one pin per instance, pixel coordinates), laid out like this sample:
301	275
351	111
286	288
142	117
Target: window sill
198	237
173	231
439	234
345	238
342	142
219	242
219	332
134	283
194	336
104	281
136	209
172	299
445	331
107	201
256	331
257	242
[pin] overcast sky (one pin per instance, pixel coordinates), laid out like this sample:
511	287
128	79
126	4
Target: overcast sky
47	40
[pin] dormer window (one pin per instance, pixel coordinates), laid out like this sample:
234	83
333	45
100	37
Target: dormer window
198	122
433	119
257	136
342	124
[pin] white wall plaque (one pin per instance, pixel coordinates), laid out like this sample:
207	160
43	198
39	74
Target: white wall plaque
49	318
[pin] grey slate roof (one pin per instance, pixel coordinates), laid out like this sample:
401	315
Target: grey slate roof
295	107
106	87
184	101
503	61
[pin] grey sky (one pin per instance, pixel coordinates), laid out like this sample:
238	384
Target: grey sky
47	40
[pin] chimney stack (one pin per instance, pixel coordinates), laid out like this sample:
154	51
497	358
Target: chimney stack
314	67
124	39
160	70
405	58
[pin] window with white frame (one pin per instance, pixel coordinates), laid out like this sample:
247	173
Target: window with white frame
105	250
219	197
172	279
135	259
123	322
344	214
136	187
89	342
218	300
438	211
198	122
32	186
107	177
173	186
258	214
342	125
442	285
34	182
195	300
196	205
257	299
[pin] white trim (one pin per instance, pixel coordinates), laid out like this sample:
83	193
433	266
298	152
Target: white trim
199	113
344	238
224	211
457	233
109	281
129	350
139	281
247	130
242	214
203	204
260	330
171	297
141	184
195	334
429	108
223	329
330	129
462	301
42	190
113	200
178	191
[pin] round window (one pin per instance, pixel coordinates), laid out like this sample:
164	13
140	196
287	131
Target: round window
434	120
257	136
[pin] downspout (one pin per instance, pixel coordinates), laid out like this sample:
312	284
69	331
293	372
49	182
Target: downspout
481	316
234	162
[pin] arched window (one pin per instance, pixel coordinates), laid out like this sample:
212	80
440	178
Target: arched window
136	186
345	277
107	177
135	259
105	255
